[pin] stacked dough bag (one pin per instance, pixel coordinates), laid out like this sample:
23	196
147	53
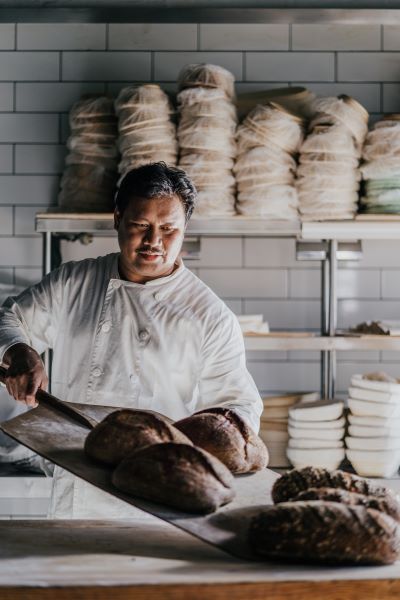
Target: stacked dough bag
328	175
90	175
373	443
316	432
146	132
268	139
381	167
206	135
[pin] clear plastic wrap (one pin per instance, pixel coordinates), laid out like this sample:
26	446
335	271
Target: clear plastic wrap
105	150
389	135
207	76
382	149
205	141
75	158
96	129
141	98
329	169
313	184
88	176
144	137
85	201
215	203
270	124
383	197
334	139
382	184
206	161
322	197
265	156
91	108
129	163
381	168
279	202
323	158
260	171
208	125
256	185
347	111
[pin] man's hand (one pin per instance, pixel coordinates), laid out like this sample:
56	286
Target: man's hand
26	373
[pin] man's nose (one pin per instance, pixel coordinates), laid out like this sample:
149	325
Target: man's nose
152	236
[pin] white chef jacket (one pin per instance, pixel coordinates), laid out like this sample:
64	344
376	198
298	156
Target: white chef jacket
169	345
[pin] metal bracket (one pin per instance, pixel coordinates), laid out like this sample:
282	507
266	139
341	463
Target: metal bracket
320	251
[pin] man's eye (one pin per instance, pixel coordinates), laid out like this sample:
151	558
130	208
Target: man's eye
167	228
141	225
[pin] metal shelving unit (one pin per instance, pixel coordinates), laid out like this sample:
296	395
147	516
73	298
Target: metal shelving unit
315	241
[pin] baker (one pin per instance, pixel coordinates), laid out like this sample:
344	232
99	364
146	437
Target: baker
131	329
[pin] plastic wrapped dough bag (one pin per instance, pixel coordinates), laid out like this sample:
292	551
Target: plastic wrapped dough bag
379	150
107	151
348	111
265	156
322	182
323	158
280	200
152	136
189	126
331	169
206	141
206	161
216	202
93	108
255	183
142	97
260	171
381	168
74	158
85	201
334	140
207	76
322	197
383	197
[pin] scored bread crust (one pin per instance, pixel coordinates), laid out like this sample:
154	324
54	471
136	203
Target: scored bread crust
125	431
178	475
224	434
325	532
290	484
389	504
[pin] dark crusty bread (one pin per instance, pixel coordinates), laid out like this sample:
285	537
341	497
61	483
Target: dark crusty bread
389	504
290	484
178	475
325	532
125	431
223	433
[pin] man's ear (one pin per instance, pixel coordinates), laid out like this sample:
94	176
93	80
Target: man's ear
117	219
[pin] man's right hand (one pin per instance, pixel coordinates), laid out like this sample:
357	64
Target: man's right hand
26	373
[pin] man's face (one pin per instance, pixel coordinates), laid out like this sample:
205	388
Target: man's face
150	236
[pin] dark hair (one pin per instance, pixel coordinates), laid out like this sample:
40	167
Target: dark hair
156	179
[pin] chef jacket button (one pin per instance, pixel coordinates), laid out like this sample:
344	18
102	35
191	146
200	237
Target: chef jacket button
116	284
106	327
157	296
97	372
132	377
143	335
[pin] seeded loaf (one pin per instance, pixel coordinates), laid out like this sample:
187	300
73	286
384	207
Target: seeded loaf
290	484
389	504
177	475
124	431
224	434
325	532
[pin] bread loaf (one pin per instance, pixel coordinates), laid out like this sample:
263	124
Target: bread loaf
178	475
325	532
224	434
387	504
124	431
295	481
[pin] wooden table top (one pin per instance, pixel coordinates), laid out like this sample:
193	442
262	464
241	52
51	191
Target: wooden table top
151	560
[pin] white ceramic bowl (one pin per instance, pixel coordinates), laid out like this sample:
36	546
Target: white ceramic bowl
373	443
374	409
323	410
379	386
307	443
325	458
374	463
336	424
361	431
316	434
373	421
373	396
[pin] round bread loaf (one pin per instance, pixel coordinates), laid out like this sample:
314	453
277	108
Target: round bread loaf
224	434
325	532
125	431
387	504
181	476
290	484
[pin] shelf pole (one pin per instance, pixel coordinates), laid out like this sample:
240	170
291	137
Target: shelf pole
46	268
325	281
333	246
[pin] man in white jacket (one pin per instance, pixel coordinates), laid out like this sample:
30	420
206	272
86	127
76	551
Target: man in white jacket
133	329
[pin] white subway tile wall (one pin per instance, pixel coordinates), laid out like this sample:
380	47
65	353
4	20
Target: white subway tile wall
45	68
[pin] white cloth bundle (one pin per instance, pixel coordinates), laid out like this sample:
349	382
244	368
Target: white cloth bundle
267	140
146	132
207	76
206	136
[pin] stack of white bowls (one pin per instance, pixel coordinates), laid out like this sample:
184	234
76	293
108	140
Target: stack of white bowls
268	139
316	432
89	179
373	443
206	136
328	175
274	424
381	167
146	132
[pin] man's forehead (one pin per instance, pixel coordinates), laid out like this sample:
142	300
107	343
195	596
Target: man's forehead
162	206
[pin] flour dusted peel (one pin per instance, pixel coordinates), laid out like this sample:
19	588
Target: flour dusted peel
224	434
125	431
317	531
177	475
291	483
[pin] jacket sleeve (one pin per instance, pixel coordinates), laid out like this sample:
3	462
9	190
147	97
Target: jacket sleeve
224	379
32	317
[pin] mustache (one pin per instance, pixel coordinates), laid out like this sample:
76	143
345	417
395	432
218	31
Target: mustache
150	251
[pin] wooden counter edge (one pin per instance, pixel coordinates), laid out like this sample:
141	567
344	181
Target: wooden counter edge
371	589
